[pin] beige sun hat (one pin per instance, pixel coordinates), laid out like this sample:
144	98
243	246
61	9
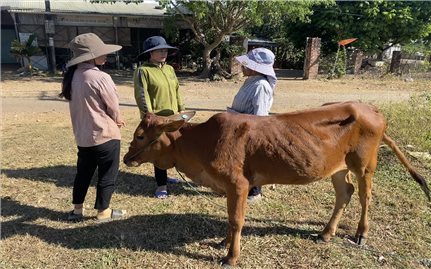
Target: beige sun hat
89	46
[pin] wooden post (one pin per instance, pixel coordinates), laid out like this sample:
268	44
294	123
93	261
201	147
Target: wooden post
312	56
395	62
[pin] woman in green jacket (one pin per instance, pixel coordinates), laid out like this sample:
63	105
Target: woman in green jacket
156	90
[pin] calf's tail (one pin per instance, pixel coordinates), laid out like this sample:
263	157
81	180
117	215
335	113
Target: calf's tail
416	176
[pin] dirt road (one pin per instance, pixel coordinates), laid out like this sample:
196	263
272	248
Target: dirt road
39	94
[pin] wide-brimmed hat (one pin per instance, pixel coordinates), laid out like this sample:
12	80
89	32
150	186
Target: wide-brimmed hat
89	46
260	60
155	43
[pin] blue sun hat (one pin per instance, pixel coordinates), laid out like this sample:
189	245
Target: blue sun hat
260	60
155	43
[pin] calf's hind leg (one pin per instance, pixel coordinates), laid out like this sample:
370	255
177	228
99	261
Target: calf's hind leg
344	189
365	182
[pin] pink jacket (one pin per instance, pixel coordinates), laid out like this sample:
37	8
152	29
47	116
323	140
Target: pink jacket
94	106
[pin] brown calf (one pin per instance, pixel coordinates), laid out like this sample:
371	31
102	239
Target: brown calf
230	153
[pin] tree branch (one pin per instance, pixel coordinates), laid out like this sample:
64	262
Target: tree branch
194	25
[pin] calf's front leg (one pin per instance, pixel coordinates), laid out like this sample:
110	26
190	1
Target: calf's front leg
344	189
236	204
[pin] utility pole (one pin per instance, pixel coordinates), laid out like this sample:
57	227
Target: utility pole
117	56
49	33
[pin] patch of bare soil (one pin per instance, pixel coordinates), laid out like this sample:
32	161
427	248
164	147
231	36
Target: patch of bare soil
39	94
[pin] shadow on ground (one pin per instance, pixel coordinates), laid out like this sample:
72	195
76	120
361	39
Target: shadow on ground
127	183
164	233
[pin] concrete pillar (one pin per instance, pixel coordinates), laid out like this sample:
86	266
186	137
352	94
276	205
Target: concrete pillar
51	50
312	56
357	61
234	65
395	62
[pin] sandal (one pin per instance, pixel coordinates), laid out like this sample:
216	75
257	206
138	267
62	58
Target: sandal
115	214
74	217
161	194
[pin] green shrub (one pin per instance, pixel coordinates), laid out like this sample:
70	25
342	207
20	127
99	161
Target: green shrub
410	122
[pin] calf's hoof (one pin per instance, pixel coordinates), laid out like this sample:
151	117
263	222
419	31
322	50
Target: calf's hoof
323	238
361	240
225	264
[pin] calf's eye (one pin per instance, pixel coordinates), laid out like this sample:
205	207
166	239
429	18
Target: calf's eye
140	138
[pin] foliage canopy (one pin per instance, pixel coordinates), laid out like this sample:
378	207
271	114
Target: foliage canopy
376	24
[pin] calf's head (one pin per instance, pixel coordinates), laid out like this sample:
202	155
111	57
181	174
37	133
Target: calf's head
150	142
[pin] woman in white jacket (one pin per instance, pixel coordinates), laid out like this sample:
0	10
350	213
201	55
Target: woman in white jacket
255	96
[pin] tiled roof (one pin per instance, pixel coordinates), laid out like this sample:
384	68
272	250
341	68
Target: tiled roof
84	6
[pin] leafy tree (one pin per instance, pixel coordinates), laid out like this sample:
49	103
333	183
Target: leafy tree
211	21
25	50
277	27
377	24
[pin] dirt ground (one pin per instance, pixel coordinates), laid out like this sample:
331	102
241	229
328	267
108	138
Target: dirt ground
39	93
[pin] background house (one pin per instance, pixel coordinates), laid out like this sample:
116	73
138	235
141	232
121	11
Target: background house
56	22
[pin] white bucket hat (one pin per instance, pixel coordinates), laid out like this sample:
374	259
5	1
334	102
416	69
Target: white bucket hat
89	46
260	60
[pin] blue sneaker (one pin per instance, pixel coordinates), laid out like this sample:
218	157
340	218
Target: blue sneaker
161	194
173	180
254	198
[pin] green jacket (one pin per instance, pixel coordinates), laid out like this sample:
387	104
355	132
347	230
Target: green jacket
156	90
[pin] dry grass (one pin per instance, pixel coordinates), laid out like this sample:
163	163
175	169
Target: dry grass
38	165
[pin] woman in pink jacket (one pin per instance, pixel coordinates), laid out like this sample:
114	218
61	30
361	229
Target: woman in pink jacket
96	121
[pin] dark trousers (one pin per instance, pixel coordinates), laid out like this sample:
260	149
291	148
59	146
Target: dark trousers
161	176
105	157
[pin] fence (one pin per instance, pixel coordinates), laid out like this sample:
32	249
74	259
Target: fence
354	62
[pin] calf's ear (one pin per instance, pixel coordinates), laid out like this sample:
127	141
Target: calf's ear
184	115
172	126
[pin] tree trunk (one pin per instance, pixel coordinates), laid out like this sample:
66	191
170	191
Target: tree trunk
206	59
206	63
216	71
